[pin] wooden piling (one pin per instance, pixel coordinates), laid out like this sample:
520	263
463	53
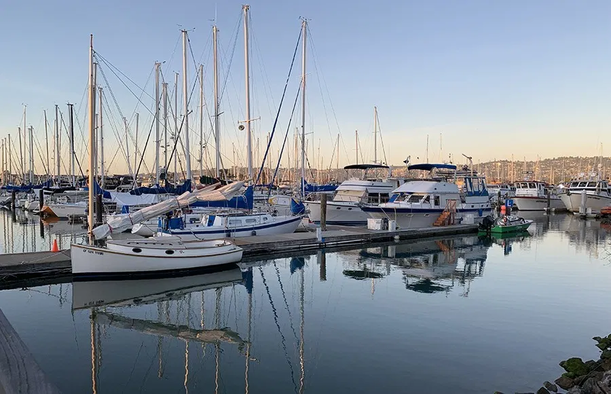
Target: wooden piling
19	372
13	198
41	199
323	212
322	260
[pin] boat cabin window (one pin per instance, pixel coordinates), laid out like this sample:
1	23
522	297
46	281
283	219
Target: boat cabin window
591	184
582	184
251	221
427	200
436	200
531	185
234	222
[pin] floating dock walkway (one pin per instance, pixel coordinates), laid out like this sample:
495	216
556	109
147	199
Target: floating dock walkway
38	268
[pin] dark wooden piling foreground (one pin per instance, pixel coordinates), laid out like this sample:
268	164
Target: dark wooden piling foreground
19	371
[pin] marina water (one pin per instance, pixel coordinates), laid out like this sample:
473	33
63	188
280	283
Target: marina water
453	315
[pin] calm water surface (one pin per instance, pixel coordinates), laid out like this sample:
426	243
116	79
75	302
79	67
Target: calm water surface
453	315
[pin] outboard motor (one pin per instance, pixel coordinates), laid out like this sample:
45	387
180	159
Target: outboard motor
487	223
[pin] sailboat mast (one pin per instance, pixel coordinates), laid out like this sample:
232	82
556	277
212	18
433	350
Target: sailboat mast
129	164
91	138
10	159
157	135
304	28
176	137
201	120
71	132
217	134
21	156
164	92
47	142
247	78
185	91
57	143
356	141
101	138
31	171
137	115
375	134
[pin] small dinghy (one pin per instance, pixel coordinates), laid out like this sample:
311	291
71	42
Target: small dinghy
504	224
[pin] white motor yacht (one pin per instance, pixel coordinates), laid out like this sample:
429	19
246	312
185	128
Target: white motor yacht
422	203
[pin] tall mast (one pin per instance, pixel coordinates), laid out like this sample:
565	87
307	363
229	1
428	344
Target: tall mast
71	133
245	8
137	115
164	92
101	138
176	137
10	159
57	144
47	143
201	120
217	133
304	28
3	174
356	141
21	156
91	138
185	91
157	135
129	164
31	171
337	158
375	134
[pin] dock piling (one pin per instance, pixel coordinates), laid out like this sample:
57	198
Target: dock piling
323	212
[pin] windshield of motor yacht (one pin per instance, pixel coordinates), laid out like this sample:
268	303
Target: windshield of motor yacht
411	197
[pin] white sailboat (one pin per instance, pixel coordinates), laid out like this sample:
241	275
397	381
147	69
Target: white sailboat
148	256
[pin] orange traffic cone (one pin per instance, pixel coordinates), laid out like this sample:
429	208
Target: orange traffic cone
54	248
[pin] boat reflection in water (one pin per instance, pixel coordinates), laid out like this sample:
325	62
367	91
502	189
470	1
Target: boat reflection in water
426	266
205	310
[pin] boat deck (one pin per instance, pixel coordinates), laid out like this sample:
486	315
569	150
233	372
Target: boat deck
38	268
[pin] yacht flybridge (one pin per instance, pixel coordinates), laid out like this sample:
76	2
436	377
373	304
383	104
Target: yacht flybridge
434	200
345	208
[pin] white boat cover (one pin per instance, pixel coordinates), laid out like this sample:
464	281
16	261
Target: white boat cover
120	223
126	199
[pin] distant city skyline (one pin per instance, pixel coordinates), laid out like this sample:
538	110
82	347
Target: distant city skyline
486	79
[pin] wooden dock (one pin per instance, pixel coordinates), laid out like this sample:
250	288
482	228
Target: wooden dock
38	268
19	371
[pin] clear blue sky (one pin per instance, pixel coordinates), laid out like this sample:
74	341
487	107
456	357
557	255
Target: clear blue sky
495	78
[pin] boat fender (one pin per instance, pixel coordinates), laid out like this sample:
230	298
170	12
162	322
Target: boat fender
253	232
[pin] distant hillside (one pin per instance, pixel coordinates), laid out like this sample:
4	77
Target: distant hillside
556	170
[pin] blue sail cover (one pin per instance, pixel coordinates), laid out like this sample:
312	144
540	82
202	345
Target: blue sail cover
27	188
244	201
310	188
168	189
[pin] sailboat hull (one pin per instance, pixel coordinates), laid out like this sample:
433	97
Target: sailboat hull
150	257
280	226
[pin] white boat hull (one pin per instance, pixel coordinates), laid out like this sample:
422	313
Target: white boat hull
572	202
527	203
339	213
64	211
154	256
281	226
415	218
